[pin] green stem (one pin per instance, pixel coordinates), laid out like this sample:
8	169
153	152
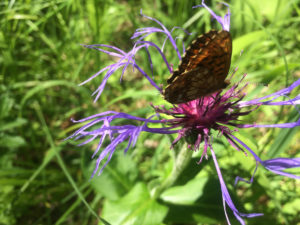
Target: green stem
182	160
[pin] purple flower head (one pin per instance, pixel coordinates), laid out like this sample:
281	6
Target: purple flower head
192	122
198	117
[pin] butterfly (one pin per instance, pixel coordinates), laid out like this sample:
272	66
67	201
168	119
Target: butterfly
203	68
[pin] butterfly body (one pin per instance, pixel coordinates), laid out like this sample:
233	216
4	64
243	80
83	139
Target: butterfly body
203	68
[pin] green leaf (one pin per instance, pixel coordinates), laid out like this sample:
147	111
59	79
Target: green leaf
134	94
117	178
7	141
244	41
185	194
6	104
283	140
135	208
291	207
10	125
45	85
195	214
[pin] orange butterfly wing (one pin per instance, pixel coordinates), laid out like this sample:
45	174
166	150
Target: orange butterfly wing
203	68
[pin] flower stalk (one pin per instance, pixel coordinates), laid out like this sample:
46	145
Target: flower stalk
182	159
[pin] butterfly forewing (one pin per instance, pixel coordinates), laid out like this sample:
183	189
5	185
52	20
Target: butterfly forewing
203	68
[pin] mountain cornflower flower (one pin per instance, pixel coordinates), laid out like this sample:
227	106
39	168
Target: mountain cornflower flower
192	121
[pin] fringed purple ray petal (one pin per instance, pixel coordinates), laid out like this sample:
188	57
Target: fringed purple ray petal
117	134
278	164
281	125
226	197
274	96
119	55
282	163
225	22
95	75
274	165
238	178
159	51
151	30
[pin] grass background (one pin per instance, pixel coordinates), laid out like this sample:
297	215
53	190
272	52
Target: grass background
43	179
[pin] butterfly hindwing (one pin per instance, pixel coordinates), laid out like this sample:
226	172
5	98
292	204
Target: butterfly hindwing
191	85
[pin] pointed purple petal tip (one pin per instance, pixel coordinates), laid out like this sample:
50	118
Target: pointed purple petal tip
225	22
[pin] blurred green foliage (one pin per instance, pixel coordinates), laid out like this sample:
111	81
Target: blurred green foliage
44	180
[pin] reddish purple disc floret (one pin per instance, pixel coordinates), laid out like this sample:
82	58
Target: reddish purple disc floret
196	118
192	121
